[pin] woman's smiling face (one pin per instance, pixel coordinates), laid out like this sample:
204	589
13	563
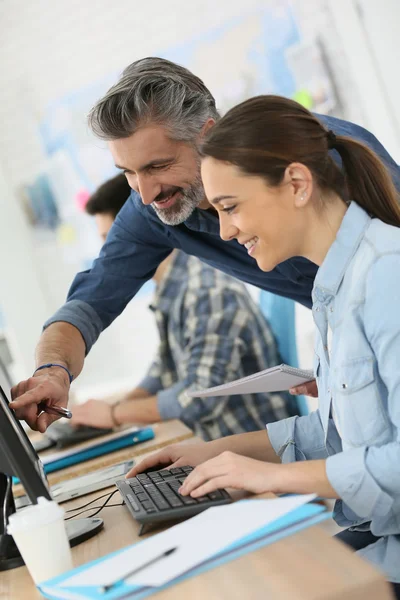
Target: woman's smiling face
267	220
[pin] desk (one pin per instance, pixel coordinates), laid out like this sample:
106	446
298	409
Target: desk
306	566
167	432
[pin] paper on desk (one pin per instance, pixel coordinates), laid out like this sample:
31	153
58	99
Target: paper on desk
49	458
196	540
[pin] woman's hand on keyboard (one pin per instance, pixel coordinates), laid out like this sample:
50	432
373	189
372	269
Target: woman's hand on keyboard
176	455
235	471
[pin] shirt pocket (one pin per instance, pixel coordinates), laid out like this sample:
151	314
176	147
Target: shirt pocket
358	409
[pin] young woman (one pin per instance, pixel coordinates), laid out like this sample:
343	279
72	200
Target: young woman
268	172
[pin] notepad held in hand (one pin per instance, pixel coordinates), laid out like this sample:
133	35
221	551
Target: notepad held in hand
276	379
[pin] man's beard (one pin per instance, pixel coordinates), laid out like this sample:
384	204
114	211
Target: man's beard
183	207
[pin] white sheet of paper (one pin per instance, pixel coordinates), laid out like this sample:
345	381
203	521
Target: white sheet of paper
196	540
276	379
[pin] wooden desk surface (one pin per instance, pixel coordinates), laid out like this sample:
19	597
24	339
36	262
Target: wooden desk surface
306	566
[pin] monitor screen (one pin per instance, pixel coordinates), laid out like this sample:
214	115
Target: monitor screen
17	455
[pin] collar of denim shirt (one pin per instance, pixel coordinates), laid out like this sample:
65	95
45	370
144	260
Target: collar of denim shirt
348	239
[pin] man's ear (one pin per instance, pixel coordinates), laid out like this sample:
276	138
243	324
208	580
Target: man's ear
206	127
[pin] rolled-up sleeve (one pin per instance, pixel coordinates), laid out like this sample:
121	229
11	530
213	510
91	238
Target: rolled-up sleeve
349	476
168	404
298	438
367	478
82	316
152	381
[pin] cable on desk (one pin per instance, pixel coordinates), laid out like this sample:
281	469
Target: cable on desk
91	502
97	509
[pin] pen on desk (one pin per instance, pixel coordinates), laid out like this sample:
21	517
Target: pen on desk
109	586
56	410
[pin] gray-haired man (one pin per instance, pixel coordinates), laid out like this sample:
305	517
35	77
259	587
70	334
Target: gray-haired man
154	118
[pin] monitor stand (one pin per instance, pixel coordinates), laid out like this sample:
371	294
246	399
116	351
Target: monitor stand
78	530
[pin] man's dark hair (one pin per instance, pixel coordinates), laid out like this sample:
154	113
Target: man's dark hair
110	197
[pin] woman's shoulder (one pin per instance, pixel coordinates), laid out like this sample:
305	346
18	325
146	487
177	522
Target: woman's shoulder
384	238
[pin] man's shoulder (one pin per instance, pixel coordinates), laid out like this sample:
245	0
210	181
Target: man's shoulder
347	128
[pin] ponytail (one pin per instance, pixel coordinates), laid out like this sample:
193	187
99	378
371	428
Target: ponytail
368	181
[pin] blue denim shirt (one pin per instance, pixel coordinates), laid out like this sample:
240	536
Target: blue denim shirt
357	426
139	241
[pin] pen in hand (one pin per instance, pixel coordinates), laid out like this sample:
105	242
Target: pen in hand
109	586
55	410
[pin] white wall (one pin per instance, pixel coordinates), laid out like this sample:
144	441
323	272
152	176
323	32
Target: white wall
368	31
50	47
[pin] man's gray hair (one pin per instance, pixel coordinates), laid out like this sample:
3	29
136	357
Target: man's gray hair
154	90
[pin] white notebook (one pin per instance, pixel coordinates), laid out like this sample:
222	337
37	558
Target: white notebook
277	379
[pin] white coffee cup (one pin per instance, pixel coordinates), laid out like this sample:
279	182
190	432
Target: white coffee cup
40	535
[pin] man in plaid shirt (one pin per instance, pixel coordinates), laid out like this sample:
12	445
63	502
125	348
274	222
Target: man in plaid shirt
211	332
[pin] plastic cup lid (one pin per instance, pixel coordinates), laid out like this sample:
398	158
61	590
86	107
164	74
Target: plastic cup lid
37	515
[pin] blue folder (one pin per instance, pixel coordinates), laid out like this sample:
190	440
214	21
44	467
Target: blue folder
300	518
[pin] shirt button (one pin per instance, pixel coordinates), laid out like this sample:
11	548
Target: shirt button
344	386
331	308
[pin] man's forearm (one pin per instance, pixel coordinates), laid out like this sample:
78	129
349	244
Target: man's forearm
137	393
62	343
255	444
143	410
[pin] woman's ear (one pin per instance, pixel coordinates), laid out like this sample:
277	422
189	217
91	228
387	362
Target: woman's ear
299	177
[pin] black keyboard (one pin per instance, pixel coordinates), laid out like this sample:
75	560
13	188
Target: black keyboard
153	497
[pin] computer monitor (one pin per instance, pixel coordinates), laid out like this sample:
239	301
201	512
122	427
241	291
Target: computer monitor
19	459
17	456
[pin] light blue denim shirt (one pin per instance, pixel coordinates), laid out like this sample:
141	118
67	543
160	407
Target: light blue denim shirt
357	426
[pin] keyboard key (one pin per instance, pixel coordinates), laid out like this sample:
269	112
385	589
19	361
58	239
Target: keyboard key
164	473
188	500
175	485
143	478
176	471
187	469
161	503
164	488
141	496
202	499
133	502
175	501
215	495
151	488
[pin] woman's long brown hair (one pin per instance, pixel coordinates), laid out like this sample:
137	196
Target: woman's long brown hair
265	134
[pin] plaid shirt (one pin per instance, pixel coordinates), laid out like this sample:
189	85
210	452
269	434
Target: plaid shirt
211	333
